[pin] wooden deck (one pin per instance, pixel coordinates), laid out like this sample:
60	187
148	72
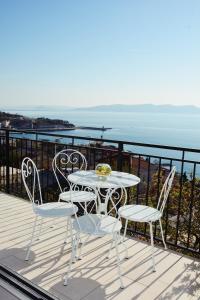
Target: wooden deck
93	277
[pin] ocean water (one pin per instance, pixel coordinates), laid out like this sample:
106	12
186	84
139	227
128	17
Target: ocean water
166	129
180	130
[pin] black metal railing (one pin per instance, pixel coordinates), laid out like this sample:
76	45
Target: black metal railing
150	162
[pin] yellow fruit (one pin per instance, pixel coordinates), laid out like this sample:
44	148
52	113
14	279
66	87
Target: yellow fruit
103	169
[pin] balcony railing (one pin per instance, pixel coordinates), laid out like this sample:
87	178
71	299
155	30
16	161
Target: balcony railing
150	162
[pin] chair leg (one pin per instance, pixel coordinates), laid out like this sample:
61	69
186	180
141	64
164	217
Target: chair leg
125	229
71	232
152	246
161	229
66	277
125	249
118	260
82	245
31	241
73	241
67	229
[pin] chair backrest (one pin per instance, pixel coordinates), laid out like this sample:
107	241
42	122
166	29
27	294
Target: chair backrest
31	180
66	162
165	190
112	200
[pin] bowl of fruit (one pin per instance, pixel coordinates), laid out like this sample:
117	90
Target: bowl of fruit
103	170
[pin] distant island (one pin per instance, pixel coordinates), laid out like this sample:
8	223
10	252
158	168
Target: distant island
136	108
16	121
147	108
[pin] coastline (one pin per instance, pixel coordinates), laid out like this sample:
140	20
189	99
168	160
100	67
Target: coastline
40	124
63	129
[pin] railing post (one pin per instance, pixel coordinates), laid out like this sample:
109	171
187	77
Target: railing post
120	156
7	163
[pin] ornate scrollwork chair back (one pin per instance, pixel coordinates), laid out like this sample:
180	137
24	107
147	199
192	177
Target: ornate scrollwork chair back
165	190
31	180
66	162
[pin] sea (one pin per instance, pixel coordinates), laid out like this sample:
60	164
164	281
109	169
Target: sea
180	130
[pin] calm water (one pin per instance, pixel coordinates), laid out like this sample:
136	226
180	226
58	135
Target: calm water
166	129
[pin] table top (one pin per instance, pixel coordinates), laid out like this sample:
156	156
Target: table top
114	180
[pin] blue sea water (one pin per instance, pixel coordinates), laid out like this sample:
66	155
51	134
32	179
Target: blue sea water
180	130
166	129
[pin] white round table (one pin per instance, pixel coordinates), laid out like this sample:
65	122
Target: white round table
114	180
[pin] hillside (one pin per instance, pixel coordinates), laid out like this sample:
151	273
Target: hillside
16	121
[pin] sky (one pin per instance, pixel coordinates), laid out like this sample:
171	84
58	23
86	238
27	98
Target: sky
94	52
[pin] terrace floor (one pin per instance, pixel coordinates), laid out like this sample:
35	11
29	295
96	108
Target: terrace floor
93	277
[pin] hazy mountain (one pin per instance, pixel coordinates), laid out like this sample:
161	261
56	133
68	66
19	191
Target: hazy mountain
148	108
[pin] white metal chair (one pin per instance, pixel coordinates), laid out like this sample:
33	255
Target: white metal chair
64	163
31	180
99	225
147	214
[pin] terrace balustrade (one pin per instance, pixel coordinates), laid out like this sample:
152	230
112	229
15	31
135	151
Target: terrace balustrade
152	163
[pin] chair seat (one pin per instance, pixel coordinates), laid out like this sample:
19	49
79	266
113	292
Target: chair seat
55	209
97	224
139	213
77	196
